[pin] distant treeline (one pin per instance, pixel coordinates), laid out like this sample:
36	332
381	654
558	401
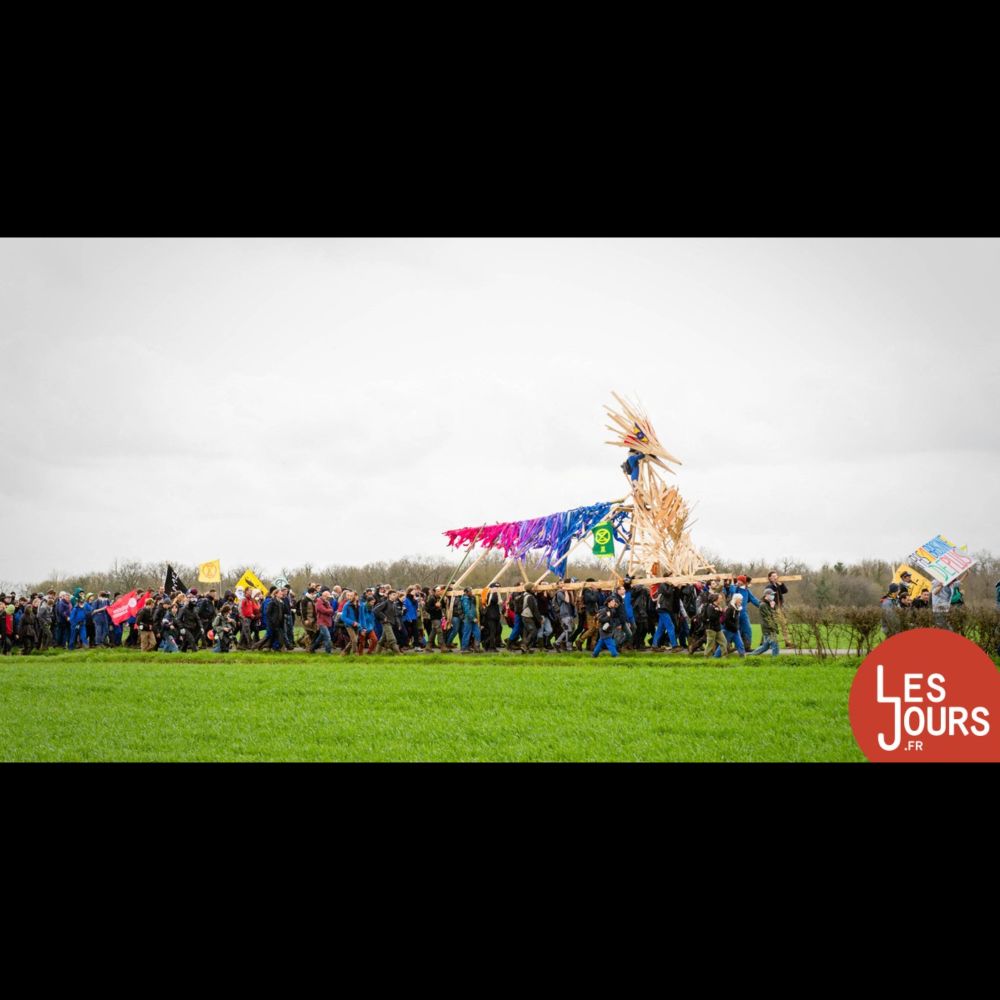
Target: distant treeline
840	585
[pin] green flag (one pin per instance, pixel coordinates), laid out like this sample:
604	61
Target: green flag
604	539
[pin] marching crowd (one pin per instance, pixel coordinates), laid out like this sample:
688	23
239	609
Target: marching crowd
903	599
711	618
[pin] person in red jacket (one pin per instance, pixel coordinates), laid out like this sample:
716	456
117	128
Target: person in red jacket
249	611
324	622
6	625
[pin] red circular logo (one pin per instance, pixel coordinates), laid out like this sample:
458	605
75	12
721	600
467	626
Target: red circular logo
927	695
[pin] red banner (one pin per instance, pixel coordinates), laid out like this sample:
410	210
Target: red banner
127	606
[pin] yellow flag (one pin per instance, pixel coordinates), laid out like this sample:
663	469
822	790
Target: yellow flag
250	581
918	581
210	572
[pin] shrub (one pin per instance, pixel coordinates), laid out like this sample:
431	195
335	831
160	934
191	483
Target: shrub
983	626
864	626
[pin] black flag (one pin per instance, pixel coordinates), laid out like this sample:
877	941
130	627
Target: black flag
173	582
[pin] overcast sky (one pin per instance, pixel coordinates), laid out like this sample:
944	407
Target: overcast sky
279	401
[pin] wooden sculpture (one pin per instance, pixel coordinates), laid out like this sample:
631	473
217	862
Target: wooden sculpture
658	516
652	522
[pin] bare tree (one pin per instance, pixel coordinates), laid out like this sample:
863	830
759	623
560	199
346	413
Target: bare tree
857	584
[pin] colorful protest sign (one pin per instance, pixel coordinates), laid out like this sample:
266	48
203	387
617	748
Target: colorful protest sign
940	560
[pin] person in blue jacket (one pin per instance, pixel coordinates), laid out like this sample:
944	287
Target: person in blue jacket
350	621
470	621
668	604
367	639
631	464
267	641
607	618
78	623
625	599
410	611
63	610
102	623
743	589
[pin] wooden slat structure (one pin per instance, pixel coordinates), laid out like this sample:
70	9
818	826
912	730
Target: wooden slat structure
659	548
659	517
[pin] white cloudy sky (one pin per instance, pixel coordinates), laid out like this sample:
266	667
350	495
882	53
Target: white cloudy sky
281	400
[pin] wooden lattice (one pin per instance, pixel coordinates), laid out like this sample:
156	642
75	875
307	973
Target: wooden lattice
658	515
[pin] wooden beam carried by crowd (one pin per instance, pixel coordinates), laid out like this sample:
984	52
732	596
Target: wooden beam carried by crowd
676	580
500	572
472	565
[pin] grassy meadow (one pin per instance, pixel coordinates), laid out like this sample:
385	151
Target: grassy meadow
104	705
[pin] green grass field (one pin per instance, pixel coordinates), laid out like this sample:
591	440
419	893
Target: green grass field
127	706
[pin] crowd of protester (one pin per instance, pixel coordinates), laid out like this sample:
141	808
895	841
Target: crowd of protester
709	618
902	600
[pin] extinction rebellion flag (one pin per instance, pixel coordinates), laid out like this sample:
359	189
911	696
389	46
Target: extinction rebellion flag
604	539
210	572
173	582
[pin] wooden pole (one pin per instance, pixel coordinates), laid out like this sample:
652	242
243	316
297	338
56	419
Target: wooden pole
468	551
677	580
500	571
471	567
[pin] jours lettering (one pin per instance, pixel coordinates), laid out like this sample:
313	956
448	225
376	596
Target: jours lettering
918	718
